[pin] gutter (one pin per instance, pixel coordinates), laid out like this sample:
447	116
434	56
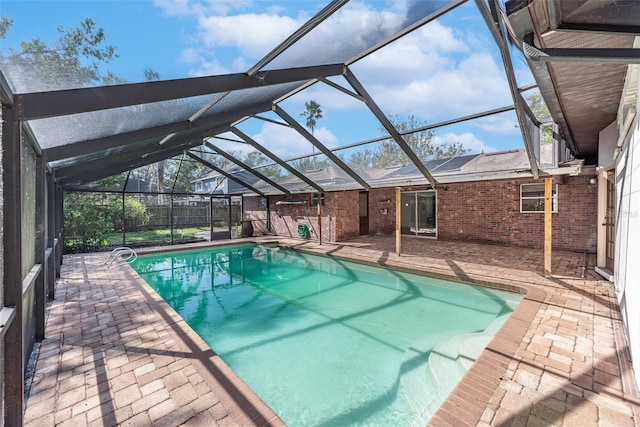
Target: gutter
571	170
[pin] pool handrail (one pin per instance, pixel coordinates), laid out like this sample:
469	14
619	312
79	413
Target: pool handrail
120	252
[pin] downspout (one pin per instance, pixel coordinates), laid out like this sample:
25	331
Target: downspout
628	120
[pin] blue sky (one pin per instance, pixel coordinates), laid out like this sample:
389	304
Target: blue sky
444	70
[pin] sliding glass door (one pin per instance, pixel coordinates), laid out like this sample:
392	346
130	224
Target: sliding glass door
419	214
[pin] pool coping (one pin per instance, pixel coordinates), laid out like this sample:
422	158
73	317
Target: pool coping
464	405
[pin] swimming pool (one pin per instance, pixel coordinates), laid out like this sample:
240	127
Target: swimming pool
329	342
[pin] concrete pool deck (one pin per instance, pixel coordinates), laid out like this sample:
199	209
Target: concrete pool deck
115	354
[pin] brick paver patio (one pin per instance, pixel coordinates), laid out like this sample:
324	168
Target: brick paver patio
116	354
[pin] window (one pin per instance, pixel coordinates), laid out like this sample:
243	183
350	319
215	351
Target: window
314	199
198	186
532	198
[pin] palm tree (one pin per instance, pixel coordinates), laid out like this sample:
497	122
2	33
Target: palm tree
312	113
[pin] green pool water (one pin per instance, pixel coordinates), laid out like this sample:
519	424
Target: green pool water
325	342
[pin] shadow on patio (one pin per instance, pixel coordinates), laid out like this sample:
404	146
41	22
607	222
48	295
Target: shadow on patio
114	353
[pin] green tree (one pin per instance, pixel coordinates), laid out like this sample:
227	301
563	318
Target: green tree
135	214
76	55
309	163
539	108
362	160
389	152
150	75
91	217
189	170
312	113
5	24
88	221
256	158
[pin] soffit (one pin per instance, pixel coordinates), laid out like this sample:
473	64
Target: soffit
588	93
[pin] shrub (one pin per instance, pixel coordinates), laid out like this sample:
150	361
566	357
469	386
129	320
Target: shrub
87	221
89	218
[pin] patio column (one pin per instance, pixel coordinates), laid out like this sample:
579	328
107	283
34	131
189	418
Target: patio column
320	198
11	314
548	207
40	294
398	220
51	236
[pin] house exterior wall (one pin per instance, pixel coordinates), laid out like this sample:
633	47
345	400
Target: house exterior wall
253	211
627	267
489	212
478	212
382	211
286	217
346	210
3	362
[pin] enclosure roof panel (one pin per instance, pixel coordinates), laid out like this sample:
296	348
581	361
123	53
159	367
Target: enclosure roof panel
87	132
578	52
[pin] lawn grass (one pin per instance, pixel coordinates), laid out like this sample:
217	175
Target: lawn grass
155	236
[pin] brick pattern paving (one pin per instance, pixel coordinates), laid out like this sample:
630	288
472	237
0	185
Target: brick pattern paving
115	354
112	356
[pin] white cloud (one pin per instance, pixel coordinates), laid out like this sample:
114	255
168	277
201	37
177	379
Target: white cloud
468	141
199	8
418	54
326	137
286	144
175	7
435	75
224	38
452	90
204	66
330	99
253	34
499	124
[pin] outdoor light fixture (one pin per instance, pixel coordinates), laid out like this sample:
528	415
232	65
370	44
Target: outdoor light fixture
593	180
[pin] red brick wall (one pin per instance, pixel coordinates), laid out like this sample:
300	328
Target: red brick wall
382	211
257	214
489	212
347	214
340	215
285	218
481	212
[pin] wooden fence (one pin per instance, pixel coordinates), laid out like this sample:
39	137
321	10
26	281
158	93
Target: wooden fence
186	216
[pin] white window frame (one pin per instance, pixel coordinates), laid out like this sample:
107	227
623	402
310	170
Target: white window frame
554	197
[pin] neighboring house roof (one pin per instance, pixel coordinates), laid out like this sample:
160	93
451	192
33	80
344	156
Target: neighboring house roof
470	167
475	167
213	174
376	173
328	178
